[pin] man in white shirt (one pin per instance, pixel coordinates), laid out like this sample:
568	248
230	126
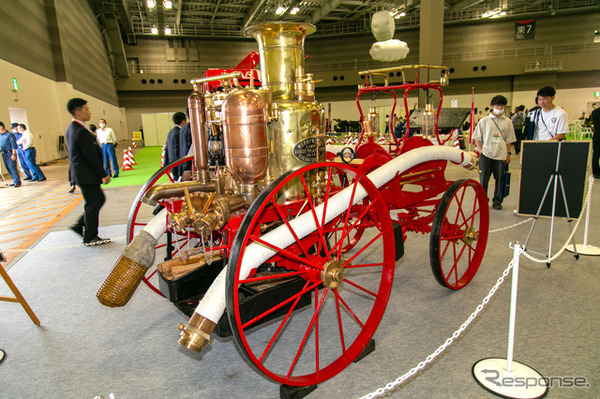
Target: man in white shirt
493	137
26	141
552	123
107	139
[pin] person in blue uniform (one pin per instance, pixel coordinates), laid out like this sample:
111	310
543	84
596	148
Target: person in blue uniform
8	146
14	128
27	143
88	170
173	153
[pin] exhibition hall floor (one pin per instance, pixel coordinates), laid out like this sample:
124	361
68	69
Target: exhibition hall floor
83	349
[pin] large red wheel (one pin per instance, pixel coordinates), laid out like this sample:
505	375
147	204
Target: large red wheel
349	290
459	234
140	214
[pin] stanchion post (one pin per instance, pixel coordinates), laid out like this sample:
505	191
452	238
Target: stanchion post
513	306
504	377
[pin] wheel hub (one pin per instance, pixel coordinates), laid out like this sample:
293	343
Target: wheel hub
333	273
470	236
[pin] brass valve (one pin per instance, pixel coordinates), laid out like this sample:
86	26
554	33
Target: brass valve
206	212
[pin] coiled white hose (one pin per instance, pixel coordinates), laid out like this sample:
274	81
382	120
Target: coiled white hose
212	306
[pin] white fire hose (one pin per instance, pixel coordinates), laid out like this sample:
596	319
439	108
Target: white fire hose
212	305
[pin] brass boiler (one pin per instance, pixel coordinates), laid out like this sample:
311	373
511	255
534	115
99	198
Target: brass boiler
266	132
294	136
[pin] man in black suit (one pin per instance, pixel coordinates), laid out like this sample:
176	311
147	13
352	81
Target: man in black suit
595	117
87	169
173	150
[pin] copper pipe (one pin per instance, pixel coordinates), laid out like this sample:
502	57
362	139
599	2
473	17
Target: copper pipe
167	190
231	75
196	108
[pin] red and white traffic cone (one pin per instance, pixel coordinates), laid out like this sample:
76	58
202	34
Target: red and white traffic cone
131	158
126	162
132	143
162	155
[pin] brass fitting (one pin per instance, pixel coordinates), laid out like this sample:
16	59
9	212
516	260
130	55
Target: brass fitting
368	126
206	213
196	334
474	163
299	85
217	213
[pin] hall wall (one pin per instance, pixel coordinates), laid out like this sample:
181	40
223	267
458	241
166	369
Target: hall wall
45	103
59	40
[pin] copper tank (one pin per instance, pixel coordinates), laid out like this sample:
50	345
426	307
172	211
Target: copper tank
244	115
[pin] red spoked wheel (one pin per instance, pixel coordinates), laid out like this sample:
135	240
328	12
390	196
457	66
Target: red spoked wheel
459	234
140	214
349	290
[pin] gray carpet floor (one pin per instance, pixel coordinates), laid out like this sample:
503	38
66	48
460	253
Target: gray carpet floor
83	349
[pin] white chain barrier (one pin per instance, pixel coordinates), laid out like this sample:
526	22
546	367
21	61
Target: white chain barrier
583	207
392	385
511	226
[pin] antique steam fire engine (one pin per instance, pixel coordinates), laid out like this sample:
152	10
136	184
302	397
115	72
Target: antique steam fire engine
266	204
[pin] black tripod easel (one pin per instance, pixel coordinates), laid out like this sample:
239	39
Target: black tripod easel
554	181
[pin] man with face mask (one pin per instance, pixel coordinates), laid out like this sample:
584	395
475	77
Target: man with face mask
493	137
108	141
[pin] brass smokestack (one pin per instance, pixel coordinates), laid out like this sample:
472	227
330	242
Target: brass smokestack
281	47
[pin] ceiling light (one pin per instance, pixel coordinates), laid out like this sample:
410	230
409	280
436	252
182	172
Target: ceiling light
167	30
495	13
280	10
295	10
168	4
154	30
151	3
397	14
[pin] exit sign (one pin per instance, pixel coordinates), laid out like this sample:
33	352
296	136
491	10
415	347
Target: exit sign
597	94
15	84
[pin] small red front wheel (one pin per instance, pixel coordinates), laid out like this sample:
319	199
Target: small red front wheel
283	238
459	234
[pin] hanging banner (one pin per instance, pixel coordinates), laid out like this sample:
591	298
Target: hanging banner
525	30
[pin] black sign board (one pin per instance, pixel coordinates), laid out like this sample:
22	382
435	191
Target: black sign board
525	30
538	164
